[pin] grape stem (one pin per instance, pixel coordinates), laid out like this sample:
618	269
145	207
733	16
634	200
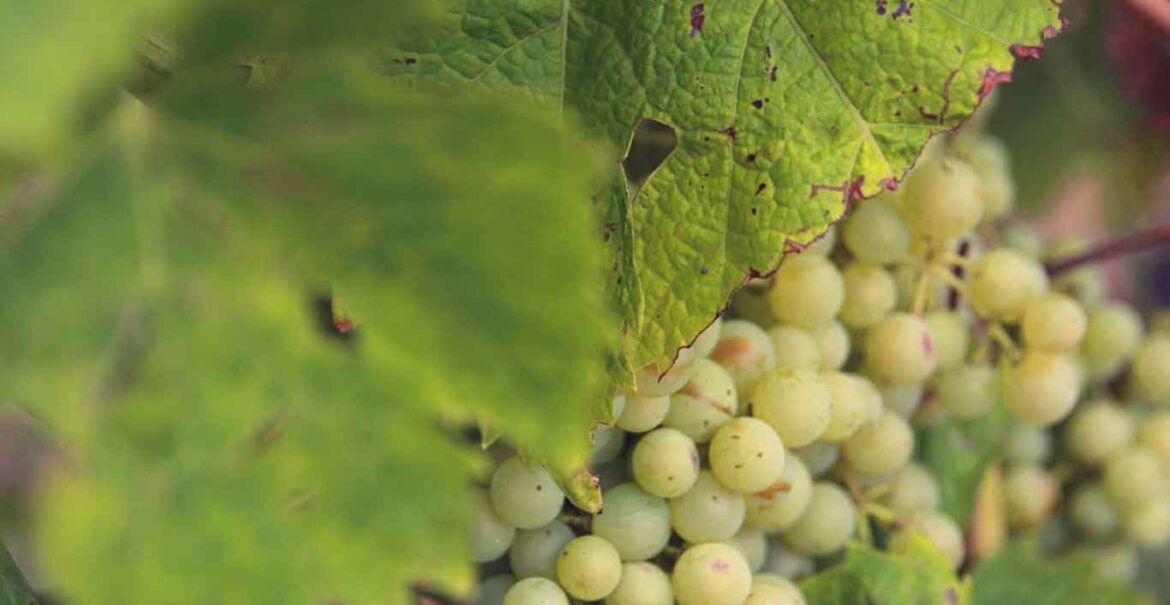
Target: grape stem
1122	245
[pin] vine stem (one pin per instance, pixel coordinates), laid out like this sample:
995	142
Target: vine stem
1122	245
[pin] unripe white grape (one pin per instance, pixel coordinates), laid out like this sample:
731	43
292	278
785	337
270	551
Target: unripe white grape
642	583
869	295
706	402
752	544
968	392
1054	323
807	291
1134	477
636	523
826	525
785	563
942	200
1116	563
534	551
665	463
1083	283
1023	239
823	245
881	448
707	512
1111	335
535	591
796	404
990	160
1092	513
1148	524
875	233
938	529
950	336
746	352
818	457
648	383
899	350
1154	436
1096	431
711	574
1027	445
492	590
589	568
641	414
903	399
607	444
1003	283
702	346
1149	372
768	589
525	495
853	401
906	278
795	348
746	455
1042	388
833	342
490	536
779	505
1032	493
912	488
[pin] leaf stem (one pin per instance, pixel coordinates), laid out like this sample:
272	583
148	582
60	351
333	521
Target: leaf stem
1122	245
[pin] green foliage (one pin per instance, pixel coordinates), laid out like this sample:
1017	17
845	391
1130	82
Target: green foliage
958	453
920	576
14	590
1019	576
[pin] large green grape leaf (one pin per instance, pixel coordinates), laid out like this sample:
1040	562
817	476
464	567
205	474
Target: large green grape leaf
1020	576
14	589
785	111
919	576
958	453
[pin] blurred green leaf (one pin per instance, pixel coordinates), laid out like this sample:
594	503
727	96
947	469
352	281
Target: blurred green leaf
14	590
919	576
1020	576
958	452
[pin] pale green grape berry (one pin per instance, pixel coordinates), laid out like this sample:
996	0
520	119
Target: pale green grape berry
1054	323
1027	444
1116	563
746	455
1031	493
875	233
1149	372
795	348
1003	283
1092	513
950	336
1154	436
785	563
589	568
833	342
490	536
912	488
899	350
711	574
818	457
636	523
968	392
794	403
703	345
618	405
1097	430
642	583
880	448
938	529
1113	332
853	400
779	505
492	590
989	158
906	278
807	291
942	200
770	589
826	525
1042	388
1148	524
752	544
707	512
608	442
1134	477
1023	239
903	399
534	551
870	295
535	591
746	352
648	383
641	414
525	495
665	463
823	245
706	402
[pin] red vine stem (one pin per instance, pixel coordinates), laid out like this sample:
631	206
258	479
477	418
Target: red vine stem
1122	245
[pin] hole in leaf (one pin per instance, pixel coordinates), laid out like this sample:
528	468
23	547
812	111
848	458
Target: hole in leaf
653	142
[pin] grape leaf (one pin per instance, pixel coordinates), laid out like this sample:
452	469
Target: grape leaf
14	588
921	575
958	453
785	111
1020	576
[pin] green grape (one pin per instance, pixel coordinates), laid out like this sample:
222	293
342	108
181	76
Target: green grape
608	442
1111	335
642	583
707	402
899	350
968	392
746	352
880	448
665	463
746	455
1092	513
1083	283
795	403
782	503
535	591
854	399
818	457
641	414
1027	445
1116	563
589	568
1054	323
702	346
751	303
795	348
942	201
1003	283
807	291
1031	493
875	233
490	536
950	336
990	160
833	342
906	278
1149	373
525	495
636	523
903	399
711	574
1042	388
708	512
938	529
648	383
770	589
870	295
752	544
1096	431
1148	524
785	563
1154	436
912	488
534	552
1134	477
826	525
1023	239
492	590
823	245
